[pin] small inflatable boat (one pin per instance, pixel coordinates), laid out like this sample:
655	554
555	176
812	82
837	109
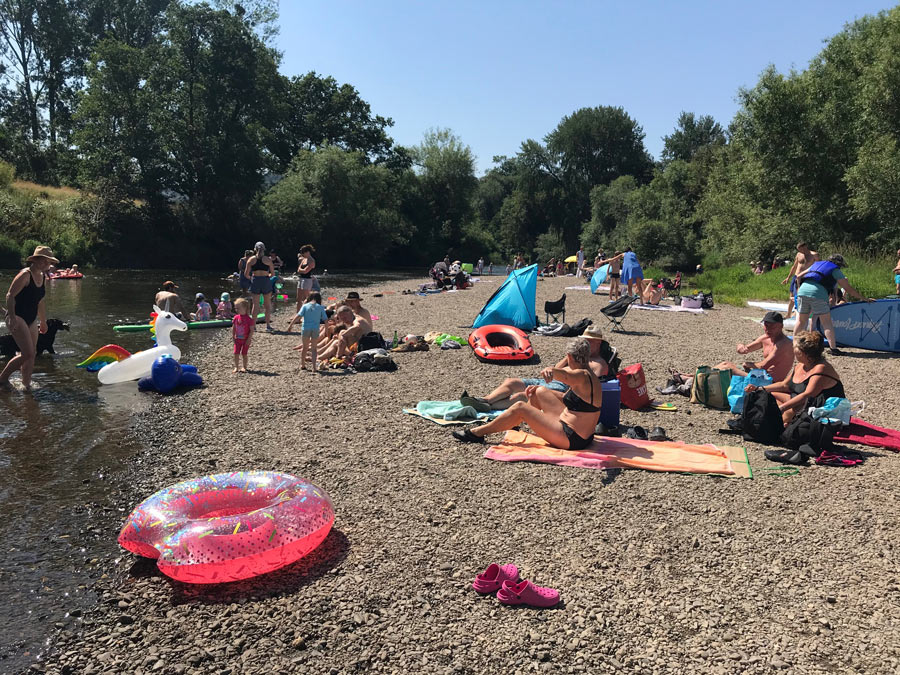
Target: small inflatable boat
500	343
70	275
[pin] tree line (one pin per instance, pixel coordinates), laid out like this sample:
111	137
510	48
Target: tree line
186	142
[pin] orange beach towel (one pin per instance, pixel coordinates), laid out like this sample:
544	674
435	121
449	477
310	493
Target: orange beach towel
625	453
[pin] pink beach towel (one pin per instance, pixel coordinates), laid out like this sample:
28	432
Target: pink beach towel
868	434
625	453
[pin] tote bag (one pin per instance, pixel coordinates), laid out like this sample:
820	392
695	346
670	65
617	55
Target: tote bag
710	387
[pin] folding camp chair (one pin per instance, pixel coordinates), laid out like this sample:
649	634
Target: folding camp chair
673	288
616	311
555	310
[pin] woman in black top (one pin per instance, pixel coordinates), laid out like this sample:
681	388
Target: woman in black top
811	382
259	271
564	421
26	315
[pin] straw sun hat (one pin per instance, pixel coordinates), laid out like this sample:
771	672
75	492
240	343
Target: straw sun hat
42	252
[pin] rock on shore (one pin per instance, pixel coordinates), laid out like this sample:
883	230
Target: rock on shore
658	572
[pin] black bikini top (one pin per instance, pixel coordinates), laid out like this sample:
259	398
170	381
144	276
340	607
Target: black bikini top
575	403
259	265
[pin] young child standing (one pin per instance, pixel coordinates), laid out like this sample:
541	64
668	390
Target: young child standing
313	315
242	328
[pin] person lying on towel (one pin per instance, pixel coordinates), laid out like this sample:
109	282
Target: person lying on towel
565	421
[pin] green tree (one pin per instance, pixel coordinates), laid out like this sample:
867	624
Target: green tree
315	111
690	135
446	170
340	201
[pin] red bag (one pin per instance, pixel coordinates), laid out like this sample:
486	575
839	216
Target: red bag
634	387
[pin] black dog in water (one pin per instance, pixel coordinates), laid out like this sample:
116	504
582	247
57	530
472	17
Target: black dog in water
45	340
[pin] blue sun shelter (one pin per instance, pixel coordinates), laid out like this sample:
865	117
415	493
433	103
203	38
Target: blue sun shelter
599	277
513	303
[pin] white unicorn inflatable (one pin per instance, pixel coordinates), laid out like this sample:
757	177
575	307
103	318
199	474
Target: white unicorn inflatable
122	366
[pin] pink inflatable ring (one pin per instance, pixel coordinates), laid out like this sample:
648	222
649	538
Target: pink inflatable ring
229	526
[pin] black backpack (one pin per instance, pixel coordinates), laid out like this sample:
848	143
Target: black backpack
371	340
804	430
761	420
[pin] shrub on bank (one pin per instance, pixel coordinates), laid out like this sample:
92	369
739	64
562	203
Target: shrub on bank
9	252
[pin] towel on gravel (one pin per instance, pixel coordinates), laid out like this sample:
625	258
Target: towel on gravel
668	308
449	412
626	453
864	433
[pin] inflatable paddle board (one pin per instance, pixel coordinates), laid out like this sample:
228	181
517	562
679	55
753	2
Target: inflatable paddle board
868	325
192	325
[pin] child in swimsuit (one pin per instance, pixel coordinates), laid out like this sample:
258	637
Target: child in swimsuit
313	316
242	329
204	311
224	309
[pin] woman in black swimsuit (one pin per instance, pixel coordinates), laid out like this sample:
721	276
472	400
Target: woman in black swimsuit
259	271
26	316
565	421
812	381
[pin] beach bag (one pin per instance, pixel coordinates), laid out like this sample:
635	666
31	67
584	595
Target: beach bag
706	300
691	302
371	340
757	377
805	430
710	387
761	420
633	385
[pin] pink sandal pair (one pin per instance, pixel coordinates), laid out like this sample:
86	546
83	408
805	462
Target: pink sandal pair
504	579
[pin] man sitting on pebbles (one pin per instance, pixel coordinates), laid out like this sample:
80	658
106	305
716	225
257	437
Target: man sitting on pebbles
512	389
778	356
778	353
358	321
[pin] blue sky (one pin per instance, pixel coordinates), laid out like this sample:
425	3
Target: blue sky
500	72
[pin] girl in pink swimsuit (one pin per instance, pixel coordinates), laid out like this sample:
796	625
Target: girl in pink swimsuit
242	328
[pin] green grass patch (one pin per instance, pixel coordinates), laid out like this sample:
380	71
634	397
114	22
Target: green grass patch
735	284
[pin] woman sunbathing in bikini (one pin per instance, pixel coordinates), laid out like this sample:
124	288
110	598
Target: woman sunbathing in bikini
565	421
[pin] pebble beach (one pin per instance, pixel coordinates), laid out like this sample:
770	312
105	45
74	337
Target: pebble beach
658	572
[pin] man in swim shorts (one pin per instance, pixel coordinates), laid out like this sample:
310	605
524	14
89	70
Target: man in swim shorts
358	321
512	389
167	299
802	262
778	351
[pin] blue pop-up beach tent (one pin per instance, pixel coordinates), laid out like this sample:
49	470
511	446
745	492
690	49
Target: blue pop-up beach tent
513	303
599	277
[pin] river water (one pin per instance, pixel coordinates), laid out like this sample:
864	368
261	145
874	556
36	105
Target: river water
58	445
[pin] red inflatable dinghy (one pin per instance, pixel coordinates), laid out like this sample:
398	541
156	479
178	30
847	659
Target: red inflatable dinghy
500	343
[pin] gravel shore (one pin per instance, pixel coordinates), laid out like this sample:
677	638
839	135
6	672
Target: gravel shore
658	572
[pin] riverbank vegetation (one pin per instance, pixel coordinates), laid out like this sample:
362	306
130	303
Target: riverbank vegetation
167	136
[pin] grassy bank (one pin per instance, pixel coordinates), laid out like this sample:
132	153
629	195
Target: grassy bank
735	284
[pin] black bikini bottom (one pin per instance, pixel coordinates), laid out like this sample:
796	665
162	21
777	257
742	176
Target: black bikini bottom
576	442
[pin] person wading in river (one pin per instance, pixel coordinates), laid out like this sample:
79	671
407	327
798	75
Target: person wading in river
26	314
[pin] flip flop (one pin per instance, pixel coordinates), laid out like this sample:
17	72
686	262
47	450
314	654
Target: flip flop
526	593
657	434
493	577
662	405
637	433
